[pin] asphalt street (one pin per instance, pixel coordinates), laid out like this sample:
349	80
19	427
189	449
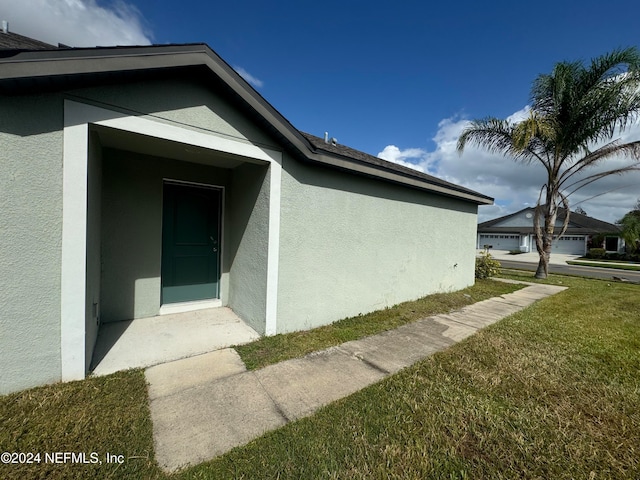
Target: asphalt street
581	270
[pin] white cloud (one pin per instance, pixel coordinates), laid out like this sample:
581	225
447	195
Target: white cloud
515	185
411	157
255	82
77	23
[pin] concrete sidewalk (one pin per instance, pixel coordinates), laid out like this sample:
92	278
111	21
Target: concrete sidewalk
204	406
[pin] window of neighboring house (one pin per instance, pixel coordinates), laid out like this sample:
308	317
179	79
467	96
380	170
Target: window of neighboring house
611	244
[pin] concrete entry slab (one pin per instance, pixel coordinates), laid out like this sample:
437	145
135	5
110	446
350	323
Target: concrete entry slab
150	341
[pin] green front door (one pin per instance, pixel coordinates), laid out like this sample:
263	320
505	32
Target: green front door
190	243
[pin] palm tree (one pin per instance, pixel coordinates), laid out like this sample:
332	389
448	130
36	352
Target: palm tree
630	224
575	113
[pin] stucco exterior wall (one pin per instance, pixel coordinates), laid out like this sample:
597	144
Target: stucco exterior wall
351	245
30	240
182	102
94	242
132	228
133	196
248	222
348	245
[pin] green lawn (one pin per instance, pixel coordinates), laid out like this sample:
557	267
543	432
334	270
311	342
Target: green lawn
277	348
550	392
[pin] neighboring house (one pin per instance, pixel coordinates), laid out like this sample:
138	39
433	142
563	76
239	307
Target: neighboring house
137	181
515	232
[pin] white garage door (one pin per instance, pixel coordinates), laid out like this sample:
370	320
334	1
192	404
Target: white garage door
570	245
500	242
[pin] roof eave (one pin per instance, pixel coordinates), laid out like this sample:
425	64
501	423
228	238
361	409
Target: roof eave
396	177
48	63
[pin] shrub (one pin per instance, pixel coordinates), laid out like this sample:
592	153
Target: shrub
596	253
487	266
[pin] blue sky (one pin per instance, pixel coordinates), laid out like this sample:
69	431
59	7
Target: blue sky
394	79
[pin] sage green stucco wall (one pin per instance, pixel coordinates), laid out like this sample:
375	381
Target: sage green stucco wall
348	245
178	102
94	243
351	245
133	194
248	243
30	240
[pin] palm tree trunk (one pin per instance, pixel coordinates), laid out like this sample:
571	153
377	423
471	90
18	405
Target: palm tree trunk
543	264
544	246
543	267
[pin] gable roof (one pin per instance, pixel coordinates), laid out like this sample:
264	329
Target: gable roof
13	41
578	224
39	69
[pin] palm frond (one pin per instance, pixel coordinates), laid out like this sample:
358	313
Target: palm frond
536	131
573	108
597	176
588	104
613	148
496	136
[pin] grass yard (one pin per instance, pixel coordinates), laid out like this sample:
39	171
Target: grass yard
269	350
550	392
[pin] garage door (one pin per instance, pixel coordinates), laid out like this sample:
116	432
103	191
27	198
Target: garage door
569	245
500	242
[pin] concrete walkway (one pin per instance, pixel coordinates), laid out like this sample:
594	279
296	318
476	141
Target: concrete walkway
204	406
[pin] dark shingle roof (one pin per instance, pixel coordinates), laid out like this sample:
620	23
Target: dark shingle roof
578	224
14	41
353	154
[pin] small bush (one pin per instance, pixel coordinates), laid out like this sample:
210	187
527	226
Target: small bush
487	266
596	253
515	252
